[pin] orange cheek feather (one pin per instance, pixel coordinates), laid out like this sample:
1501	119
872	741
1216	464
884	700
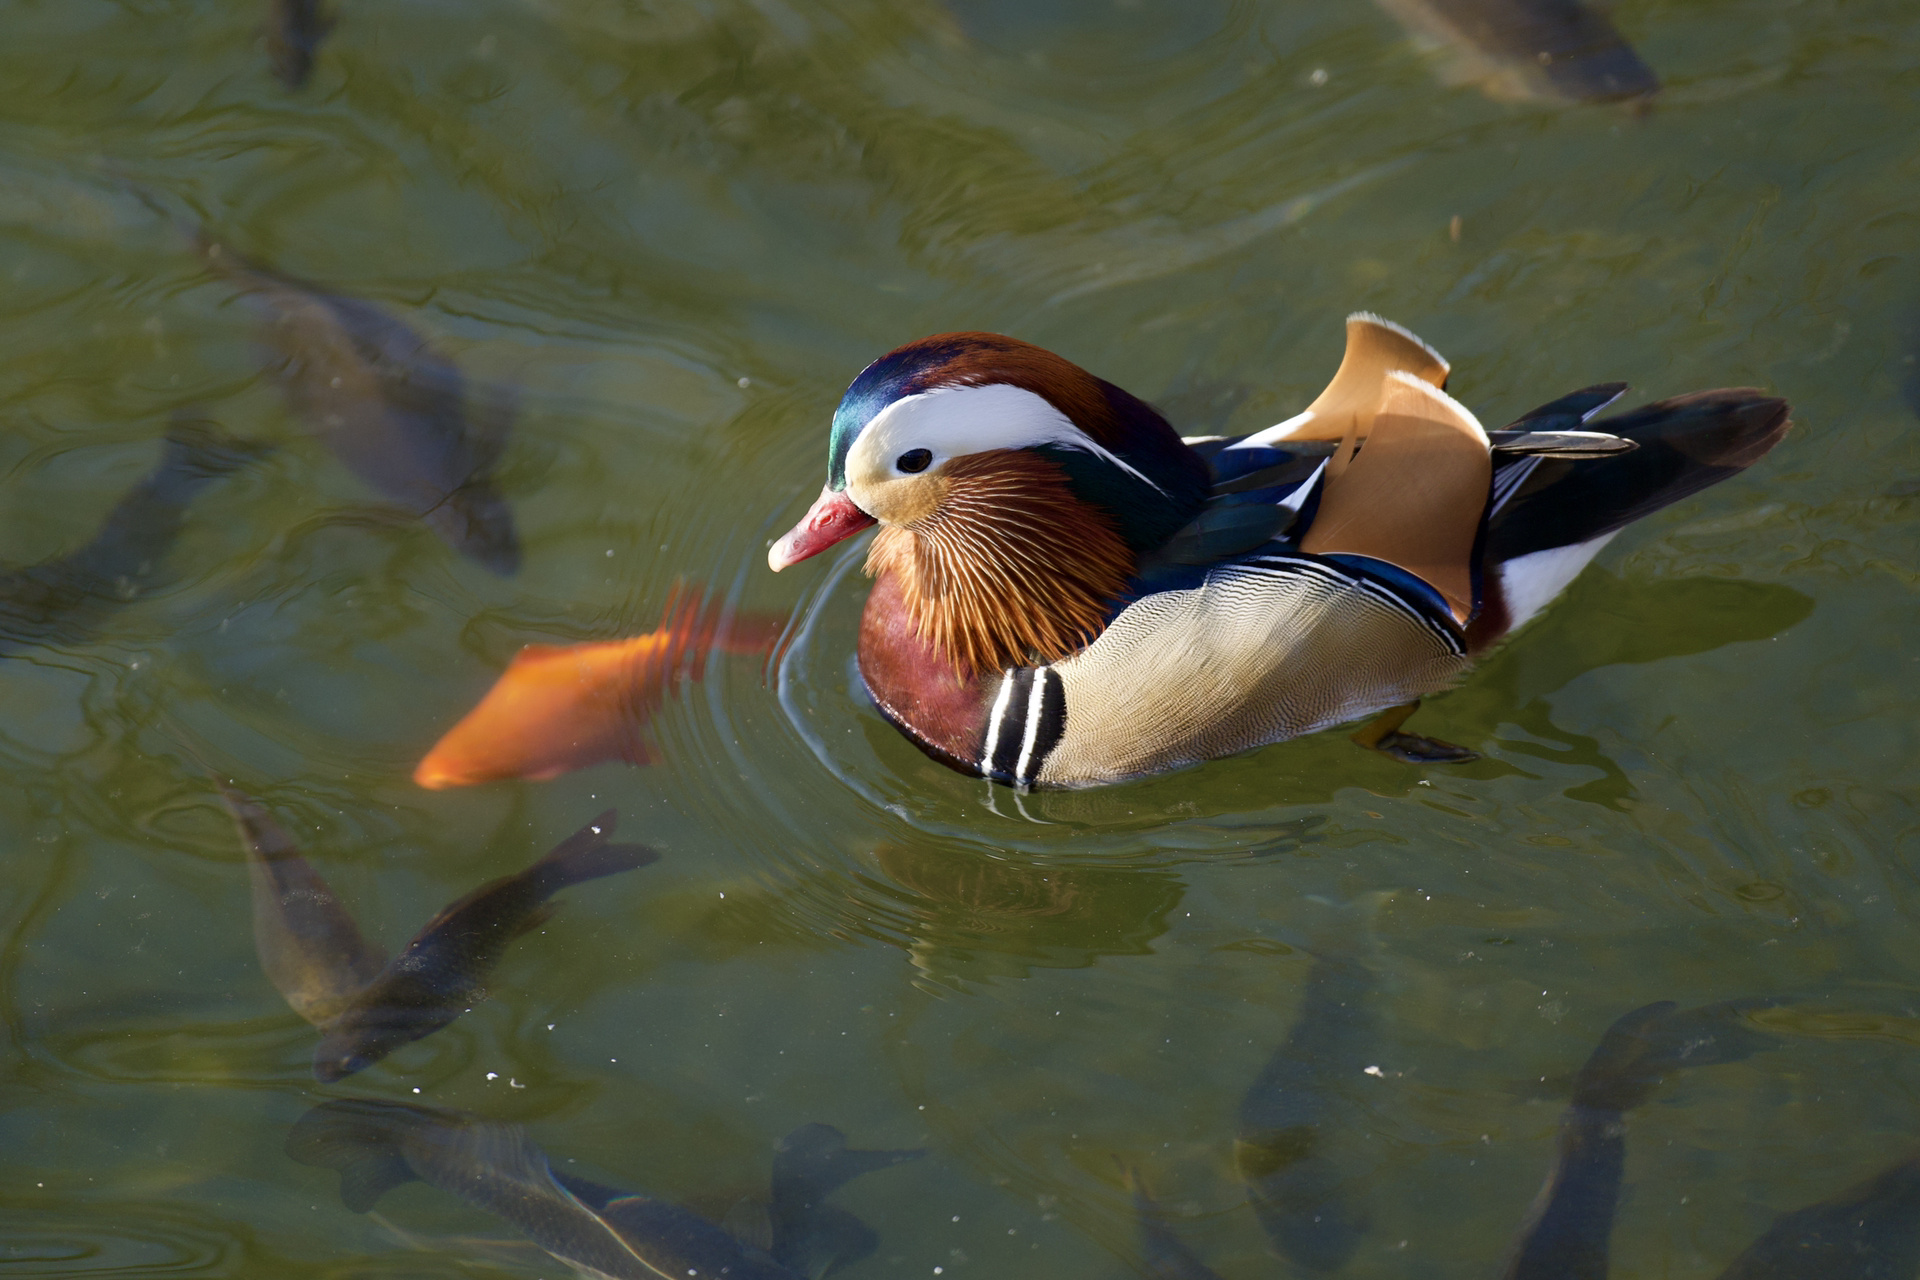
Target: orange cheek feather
559	708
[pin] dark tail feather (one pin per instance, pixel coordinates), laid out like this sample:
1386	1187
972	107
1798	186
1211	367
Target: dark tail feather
588	854
360	1139
1686	444
808	1165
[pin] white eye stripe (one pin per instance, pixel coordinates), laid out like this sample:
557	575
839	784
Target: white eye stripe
951	422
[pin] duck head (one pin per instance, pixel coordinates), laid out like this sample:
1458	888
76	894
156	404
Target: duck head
1015	492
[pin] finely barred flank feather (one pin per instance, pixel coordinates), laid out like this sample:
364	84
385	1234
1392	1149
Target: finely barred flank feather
1009	568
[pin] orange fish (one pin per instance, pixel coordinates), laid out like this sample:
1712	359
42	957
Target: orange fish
562	707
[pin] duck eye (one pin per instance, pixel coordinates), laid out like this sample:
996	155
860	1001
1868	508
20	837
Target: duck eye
914	460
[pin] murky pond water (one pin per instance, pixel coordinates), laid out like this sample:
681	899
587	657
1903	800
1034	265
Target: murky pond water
677	230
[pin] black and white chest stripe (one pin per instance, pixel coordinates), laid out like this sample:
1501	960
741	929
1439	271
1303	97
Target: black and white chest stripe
1314	568
1029	714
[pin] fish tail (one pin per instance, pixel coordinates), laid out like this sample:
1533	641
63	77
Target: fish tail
808	1165
361	1140
589	854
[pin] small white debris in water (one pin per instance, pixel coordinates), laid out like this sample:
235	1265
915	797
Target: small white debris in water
596	831
416	1088
514	1084
744	383
1375	1071
1318	78
550	1026
723	895
493	1075
609	551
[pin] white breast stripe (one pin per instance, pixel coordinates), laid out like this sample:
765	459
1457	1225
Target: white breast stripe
993	723
1034	696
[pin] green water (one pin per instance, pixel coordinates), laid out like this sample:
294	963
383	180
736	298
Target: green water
680	229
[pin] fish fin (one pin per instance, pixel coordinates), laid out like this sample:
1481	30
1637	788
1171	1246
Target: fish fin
832	1239
747	1219
1414	495
537	919
540	653
195	447
637	752
587	854
1642	1047
1376	348
753	633
490	423
808	1165
477	521
360	1139
1165	1254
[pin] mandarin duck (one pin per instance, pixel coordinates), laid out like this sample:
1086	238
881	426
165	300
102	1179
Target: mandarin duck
1068	593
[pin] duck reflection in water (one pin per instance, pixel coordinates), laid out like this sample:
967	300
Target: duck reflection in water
388	405
559	708
315	954
598	1230
65	600
978	916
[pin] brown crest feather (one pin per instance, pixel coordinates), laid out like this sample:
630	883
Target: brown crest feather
1011	568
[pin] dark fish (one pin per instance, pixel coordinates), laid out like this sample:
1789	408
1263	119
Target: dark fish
1567	1232
598	1230
308	944
442	971
1867	1232
387	404
1553	49
1291	1114
294	32
1165	1256
809	1235
67	599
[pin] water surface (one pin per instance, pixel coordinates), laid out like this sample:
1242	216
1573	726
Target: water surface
679	229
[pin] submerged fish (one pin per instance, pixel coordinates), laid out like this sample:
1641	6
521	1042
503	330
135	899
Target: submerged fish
1164	1254
444	969
1514	49
308	944
66	599
1567	1232
1291	1114
295	29
597	1230
558	708
387	404
1868	1232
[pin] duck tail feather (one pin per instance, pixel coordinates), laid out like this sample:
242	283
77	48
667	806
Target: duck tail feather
1685	444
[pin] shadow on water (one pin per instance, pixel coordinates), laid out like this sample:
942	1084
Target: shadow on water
1608	621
